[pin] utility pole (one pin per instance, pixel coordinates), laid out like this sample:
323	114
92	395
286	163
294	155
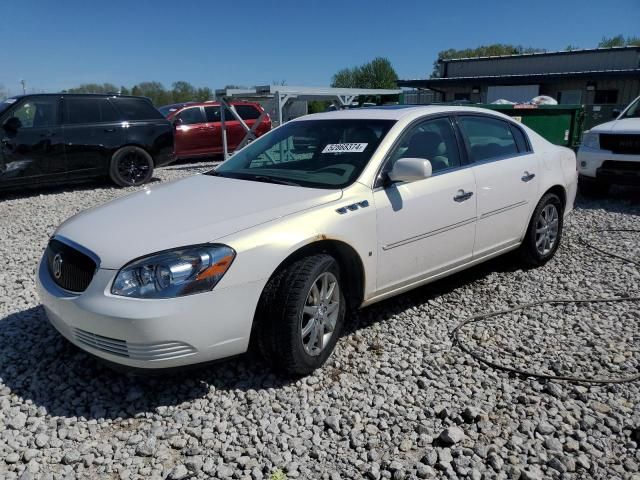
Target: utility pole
24	87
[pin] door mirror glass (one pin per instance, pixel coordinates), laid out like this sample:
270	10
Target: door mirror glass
177	122
410	170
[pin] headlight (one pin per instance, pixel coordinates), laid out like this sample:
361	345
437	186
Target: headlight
591	140
174	273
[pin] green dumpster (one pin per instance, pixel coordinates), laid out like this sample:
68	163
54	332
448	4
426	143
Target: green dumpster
560	124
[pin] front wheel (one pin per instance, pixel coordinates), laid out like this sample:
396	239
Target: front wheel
301	314
544	232
131	166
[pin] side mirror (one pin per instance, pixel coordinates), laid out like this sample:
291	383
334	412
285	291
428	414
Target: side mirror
12	125
615	113
177	122
410	170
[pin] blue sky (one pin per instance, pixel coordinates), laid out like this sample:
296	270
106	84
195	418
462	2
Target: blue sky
57	45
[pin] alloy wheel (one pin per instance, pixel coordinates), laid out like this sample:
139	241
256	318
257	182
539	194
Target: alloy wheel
547	229
133	168
320	313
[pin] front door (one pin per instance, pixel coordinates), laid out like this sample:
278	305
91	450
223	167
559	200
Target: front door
505	171
428	226
31	142
192	133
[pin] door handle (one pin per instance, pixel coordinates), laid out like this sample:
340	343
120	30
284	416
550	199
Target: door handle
527	177
48	134
461	196
109	130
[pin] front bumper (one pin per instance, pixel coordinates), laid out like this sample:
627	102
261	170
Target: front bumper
609	167
151	334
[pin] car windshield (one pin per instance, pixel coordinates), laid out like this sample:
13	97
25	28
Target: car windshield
634	110
6	103
166	110
311	153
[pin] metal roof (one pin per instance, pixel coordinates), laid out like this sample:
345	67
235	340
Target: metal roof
517	79
542	54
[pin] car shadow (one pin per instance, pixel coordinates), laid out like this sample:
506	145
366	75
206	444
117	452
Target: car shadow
38	364
619	199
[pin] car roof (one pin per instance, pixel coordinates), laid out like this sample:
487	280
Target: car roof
394	112
112	94
206	104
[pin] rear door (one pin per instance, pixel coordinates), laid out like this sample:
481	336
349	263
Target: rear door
505	170
93	131
31	142
192	133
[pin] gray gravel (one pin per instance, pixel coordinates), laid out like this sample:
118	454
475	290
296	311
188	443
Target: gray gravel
396	401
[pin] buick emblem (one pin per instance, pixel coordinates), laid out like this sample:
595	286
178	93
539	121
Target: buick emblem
57	266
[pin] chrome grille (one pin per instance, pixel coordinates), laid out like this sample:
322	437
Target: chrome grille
137	351
621	143
69	268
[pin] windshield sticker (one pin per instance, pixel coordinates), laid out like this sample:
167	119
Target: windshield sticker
10	100
345	148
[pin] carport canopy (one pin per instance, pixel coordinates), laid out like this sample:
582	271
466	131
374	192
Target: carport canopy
281	94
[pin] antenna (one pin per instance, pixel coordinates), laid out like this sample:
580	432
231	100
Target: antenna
24	86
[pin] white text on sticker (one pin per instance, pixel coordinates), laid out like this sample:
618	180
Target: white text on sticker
345	147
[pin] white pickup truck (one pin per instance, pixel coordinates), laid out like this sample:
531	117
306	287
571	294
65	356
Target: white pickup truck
610	153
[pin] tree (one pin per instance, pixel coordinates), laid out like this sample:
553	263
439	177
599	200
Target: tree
378	73
124	90
618	41
183	92
94	88
203	94
155	91
481	51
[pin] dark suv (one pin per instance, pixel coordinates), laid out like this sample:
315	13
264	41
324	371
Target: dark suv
60	138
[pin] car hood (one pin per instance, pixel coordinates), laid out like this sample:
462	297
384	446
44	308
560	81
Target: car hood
198	209
624	125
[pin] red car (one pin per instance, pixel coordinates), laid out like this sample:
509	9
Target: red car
197	126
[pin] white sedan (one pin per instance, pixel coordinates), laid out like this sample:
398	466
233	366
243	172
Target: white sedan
325	213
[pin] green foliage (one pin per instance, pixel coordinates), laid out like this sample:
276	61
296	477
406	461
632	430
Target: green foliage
317	106
618	41
94	88
378	73
278	475
181	91
482	51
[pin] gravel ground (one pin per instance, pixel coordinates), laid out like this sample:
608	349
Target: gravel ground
397	400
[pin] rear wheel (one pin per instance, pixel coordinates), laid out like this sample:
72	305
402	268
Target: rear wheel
301	315
590	187
131	166
544	232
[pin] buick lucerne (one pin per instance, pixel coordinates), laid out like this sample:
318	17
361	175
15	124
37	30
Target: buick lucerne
324	214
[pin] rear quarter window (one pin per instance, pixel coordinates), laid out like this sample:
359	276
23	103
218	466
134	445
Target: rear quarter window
247	112
137	109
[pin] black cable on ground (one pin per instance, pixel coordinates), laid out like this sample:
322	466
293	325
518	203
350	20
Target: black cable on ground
484	316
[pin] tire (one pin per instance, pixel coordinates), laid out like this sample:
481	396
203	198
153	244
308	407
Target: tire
285	312
130	166
590	187
544	232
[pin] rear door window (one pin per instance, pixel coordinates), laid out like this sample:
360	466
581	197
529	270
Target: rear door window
488	138
88	110
136	109
191	116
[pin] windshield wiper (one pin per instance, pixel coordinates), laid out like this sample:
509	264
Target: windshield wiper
267	179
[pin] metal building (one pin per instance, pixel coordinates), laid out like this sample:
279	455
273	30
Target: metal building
603	79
